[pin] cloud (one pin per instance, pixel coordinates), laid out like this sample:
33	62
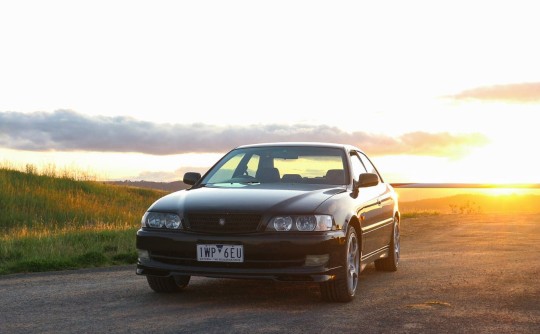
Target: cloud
66	130
520	93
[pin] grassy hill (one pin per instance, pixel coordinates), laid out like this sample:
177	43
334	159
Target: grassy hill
59	223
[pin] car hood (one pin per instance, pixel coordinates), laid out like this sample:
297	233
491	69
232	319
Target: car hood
248	198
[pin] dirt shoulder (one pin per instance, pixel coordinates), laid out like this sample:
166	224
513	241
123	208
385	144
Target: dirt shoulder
458	274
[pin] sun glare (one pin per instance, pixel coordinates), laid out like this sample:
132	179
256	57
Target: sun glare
504	191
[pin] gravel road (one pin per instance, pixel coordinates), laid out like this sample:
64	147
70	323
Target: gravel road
458	274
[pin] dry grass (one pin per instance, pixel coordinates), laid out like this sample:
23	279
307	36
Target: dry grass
50	222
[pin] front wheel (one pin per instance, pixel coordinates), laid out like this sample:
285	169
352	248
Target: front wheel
343	288
391	262
168	284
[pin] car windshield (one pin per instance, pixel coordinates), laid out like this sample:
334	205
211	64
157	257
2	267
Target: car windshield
283	164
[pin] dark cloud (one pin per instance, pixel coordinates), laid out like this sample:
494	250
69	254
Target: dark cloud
65	130
521	93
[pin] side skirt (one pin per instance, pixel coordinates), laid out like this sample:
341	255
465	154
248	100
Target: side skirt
371	257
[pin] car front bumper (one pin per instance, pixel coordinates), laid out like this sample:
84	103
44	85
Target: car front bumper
277	255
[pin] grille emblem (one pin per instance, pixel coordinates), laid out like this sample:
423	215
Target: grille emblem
221	222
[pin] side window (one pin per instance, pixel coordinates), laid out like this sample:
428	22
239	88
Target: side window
357	166
252	165
369	166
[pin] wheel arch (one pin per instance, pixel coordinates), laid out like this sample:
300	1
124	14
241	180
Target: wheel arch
354	222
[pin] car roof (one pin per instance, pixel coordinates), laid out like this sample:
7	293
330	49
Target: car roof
306	144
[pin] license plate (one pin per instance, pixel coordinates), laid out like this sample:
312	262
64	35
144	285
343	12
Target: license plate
220	253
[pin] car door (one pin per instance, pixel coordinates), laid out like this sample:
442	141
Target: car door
381	215
372	208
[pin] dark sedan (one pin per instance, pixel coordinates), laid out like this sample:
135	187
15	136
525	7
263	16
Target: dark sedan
309	212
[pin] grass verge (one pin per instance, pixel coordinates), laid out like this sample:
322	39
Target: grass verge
67	250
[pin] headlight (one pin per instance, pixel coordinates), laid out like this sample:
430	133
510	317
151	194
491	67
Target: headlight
162	220
306	223
282	223
302	223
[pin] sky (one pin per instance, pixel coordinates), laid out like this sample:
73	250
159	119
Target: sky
432	91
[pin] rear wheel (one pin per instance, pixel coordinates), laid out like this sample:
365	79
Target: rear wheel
343	288
391	262
168	284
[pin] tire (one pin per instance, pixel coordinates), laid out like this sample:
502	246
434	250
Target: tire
168	284
344	288
391	262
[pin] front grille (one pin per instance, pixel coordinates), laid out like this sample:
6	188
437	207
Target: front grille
222	223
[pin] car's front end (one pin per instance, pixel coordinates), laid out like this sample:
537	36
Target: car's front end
255	243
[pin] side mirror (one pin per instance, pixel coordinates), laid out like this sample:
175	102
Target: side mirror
368	180
191	178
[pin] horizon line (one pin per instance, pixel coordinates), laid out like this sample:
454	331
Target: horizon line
467	185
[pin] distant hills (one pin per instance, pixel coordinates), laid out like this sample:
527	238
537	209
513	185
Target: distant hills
465	203
476	203
163	186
